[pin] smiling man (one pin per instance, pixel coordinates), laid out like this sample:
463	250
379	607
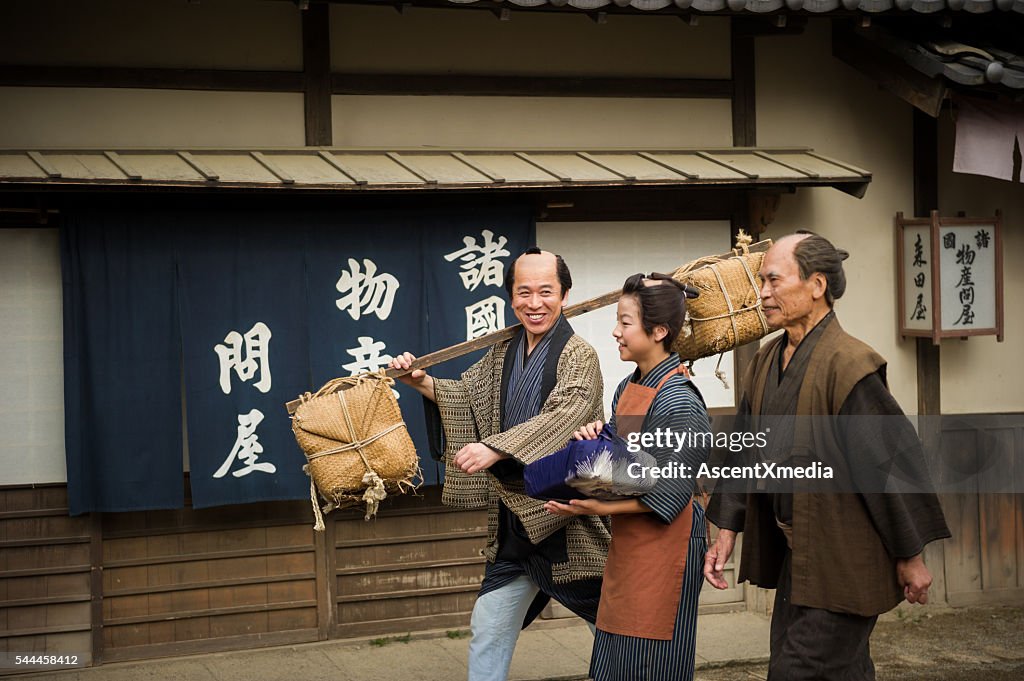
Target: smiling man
837	556
522	401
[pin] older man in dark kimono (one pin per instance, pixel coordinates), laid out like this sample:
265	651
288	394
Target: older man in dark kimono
838	552
522	401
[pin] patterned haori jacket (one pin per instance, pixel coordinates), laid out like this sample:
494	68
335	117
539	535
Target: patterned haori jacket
471	411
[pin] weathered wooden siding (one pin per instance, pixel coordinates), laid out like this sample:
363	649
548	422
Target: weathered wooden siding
190	581
414	567
984	561
45	573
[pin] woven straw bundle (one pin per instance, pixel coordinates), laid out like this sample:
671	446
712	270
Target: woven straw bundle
727	313
357	446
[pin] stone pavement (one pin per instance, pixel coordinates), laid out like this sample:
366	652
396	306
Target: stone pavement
547	651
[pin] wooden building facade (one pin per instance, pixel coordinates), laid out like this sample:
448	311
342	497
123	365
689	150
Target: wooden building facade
253	80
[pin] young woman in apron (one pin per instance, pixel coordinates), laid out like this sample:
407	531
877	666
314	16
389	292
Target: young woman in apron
646	621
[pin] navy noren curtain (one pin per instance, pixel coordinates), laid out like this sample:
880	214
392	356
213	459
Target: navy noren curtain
237	312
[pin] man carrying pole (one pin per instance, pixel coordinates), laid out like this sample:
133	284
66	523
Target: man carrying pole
522	401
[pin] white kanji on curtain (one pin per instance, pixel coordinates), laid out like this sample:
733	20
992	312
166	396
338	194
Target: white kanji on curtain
480	262
366	291
246	449
247	355
484	317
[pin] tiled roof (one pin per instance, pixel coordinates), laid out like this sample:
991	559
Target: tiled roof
427	169
960	59
764	6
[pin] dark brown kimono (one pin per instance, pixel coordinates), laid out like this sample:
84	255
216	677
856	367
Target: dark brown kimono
844	544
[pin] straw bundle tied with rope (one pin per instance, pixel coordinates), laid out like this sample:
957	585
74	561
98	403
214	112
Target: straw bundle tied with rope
358	447
728	312
356	443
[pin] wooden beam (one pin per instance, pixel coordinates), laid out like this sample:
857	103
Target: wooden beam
479	167
926	199
342	168
199	166
926	165
316	72
562	177
122	165
601	164
528	86
466	347
729	165
159	79
889	71
842	164
43	164
785	164
668	166
744	104
411	167
272	167
362	83
743	356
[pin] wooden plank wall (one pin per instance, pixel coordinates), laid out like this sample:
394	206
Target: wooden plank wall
189	581
419	566
124	586
416	566
45	566
984	561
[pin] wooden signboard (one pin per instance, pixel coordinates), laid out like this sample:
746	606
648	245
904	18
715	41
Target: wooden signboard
950	274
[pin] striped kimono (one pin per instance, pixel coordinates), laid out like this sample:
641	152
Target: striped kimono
526	412
678	406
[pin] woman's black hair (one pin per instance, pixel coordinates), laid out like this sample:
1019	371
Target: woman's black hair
661	304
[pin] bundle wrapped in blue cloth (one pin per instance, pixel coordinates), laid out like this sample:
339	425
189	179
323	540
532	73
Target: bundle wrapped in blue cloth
590	469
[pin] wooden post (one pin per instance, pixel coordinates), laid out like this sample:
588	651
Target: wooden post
744	105
929	394
96	585
326	580
744	134
316	72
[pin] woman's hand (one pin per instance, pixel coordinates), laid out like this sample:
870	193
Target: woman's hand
596	507
577	506
589	431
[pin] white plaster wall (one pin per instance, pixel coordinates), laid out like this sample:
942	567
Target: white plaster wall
227	34
31	358
981	375
600	256
32	117
529	122
379	40
421	40
805	97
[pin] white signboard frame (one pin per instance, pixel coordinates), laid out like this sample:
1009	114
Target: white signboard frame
950	274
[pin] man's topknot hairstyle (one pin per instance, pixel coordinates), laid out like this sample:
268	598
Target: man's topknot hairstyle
564	278
815	253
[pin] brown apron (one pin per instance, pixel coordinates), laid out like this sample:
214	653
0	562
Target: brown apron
643	578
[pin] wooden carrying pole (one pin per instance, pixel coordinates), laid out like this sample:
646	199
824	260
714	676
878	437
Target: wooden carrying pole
508	332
